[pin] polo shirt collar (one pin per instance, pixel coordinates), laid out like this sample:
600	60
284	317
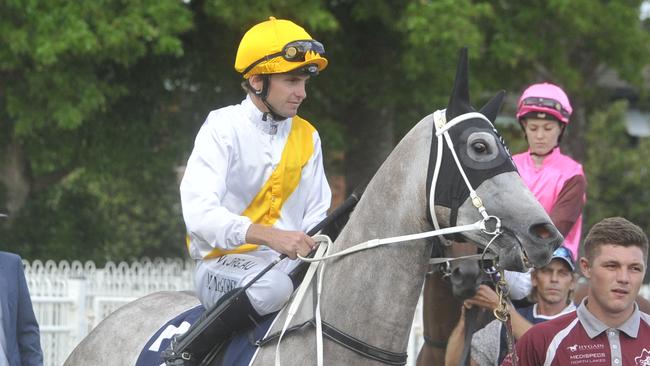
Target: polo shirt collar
594	327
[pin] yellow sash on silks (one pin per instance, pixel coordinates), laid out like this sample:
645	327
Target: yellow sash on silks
267	204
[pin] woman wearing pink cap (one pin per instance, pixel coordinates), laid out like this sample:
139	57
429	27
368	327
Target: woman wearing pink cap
555	179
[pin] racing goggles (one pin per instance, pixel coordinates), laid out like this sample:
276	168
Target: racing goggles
546	103
293	52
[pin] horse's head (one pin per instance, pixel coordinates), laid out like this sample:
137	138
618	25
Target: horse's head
464	275
480	179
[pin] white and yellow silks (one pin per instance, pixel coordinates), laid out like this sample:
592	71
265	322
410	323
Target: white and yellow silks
266	206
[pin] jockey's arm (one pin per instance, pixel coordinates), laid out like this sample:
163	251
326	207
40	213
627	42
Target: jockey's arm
286	242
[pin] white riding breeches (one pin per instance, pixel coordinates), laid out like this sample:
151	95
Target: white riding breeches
215	277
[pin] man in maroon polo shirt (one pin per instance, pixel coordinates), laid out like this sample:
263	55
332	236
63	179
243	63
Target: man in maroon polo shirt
607	328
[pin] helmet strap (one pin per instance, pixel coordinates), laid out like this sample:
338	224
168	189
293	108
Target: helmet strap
263	94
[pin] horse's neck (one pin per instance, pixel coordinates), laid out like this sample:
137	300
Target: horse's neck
373	294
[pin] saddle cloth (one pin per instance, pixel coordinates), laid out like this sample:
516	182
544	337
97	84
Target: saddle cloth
240	350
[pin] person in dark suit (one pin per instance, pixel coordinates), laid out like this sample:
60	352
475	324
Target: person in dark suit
20	343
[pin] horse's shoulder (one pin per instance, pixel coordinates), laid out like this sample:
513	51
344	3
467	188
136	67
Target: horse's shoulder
161	302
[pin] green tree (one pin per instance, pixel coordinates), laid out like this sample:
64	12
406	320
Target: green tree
79	118
100	101
617	170
575	43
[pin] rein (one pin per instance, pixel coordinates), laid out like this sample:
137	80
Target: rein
490	225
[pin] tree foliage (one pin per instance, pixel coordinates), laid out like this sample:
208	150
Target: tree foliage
617	170
100	101
81	93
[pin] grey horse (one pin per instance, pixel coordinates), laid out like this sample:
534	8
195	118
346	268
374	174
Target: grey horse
371	295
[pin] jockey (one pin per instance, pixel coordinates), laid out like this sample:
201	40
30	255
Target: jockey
557	181
255	183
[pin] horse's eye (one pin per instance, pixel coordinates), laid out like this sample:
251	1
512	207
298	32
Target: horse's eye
480	147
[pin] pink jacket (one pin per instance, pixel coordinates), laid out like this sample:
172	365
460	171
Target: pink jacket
548	181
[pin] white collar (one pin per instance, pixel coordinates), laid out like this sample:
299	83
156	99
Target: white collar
569	308
268	126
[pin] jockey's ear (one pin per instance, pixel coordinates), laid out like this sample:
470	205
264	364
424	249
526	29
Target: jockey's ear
491	108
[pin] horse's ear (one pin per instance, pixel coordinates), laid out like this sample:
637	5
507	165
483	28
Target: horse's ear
459	101
491	108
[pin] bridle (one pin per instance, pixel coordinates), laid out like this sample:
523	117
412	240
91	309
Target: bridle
442	127
442	130
489	225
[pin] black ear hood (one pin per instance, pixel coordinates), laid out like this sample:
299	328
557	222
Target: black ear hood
491	108
459	100
451	189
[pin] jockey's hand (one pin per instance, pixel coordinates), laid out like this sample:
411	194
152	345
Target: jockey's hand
291	243
485	297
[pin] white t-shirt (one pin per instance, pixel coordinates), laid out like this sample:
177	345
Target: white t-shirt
520	284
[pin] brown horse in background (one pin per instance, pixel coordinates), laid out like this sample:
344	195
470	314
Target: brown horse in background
443	295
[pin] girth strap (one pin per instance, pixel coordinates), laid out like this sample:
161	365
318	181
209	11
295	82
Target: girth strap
353	344
362	348
274	336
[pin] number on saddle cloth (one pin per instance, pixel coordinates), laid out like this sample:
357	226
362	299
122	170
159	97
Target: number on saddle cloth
151	354
235	347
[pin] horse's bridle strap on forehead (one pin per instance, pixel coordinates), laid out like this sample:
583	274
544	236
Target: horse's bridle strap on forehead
443	126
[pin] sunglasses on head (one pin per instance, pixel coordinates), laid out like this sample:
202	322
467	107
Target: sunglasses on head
546	103
293	52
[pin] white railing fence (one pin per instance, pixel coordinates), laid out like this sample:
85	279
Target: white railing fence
70	299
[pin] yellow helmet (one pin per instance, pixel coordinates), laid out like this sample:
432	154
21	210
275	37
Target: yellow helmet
277	46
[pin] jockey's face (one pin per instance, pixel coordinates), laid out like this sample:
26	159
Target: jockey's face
286	92
542	135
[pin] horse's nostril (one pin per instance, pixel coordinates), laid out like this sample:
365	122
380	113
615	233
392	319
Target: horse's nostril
542	231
